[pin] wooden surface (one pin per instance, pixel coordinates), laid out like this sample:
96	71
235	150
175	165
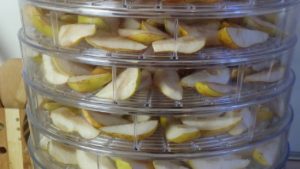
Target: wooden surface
13	150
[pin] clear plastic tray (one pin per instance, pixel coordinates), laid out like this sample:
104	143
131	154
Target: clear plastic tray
163	39
155	88
270	153
163	134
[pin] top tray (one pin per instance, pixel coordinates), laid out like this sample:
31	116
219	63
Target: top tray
169	8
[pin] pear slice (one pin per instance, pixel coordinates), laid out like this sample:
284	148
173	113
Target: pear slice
88	160
237	37
185	45
52	75
169	83
147	27
36	18
99	22
181	133
44	142
116	44
146	80
170	27
131	164
156	22
50	106
266	154
139	118
247	121
213	89
68	18
160	164
213	123
130	23
100	70
62	153
132	131
126	85
220	75
98	120
71	68
88	83
262	25
67	121
227	162
71	34
142	36
274	75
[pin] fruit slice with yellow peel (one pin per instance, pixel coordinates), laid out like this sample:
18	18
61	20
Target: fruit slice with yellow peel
64	119
147	27
100	70
226	162
169	83
131	164
262	25
166	164
88	160
247	121
62	153
139	118
213	89
130	23
116	44
266	154
71	68
264	114
156	22
38	58
50	106
181	133
142	36
164	121
99	22
38	20
68	18
71	34
241	37
88	83
51	73
185	45
126	84
170	27
98	120
220	75
137	131
273	75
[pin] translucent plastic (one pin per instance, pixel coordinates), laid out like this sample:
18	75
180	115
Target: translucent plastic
219	129
165	38
50	154
134	88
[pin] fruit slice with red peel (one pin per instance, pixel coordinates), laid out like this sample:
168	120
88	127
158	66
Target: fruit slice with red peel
132	131
213	89
273	75
71	34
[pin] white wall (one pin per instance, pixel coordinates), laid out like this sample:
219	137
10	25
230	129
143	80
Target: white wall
9	47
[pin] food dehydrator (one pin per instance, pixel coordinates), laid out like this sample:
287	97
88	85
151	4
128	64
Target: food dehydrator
164	84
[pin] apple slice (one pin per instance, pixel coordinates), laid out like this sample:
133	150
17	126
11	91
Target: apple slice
131	164
164	164
99	22
219	75
132	131
98	120
170	27
62	153
262	25
116	44
213	89
185	45
89	83
266	154
38	20
130	23
273	75
227	162
52	75
146	80
237	37
88	160
70	35
67	121
181	133
126	85
142	36
169	83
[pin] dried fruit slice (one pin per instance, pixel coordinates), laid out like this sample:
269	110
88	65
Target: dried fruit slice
99	22
273	75
170	27
267	153
164	164
213	89
62	153
130	23
237	37
142	36
93	161
137	131
260	24
116	44
71	68
181	133
131	164
71	34
185	45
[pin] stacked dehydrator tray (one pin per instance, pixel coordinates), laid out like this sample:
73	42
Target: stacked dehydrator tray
158	84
